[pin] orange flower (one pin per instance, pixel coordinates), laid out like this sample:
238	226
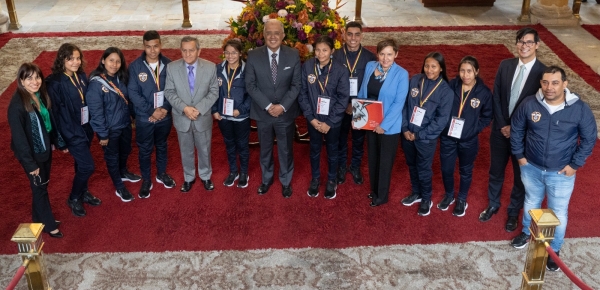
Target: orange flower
303	51
309	5
273	15
303	17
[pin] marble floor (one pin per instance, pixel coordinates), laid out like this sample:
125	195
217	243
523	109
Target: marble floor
79	15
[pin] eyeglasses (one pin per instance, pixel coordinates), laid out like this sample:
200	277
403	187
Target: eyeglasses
526	43
232	53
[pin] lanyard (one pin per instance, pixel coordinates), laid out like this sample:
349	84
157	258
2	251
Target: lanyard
76	84
115	88
230	80
326	79
351	68
421	101
463	99
155	73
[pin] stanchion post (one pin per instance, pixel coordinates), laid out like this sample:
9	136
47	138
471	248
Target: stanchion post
525	12
358	12
543	224
576	7
29	240
12	15
186	14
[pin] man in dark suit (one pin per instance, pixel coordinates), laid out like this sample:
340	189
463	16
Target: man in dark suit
516	79
191	88
273	82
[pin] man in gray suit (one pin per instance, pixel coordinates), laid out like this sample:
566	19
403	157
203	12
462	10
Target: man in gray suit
273	81
192	89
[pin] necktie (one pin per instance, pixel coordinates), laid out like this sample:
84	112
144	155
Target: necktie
514	92
274	66
191	78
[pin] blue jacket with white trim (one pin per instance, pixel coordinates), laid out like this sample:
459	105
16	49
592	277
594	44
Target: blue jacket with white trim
241	99
108	110
553	141
142	87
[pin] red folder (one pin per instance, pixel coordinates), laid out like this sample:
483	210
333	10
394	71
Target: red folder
366	114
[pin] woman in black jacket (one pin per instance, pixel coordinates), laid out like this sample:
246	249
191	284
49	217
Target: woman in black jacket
471	113
67	87
33	133
232	110
110	117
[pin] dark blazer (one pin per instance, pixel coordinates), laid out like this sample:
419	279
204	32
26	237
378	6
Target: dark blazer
503	84
21	141
261	89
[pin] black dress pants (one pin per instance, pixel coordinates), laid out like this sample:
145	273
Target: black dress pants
41	211
382	153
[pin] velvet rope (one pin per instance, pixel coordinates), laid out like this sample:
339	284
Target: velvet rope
565	269
16	278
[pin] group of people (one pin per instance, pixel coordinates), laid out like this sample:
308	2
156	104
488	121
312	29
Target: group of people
545	130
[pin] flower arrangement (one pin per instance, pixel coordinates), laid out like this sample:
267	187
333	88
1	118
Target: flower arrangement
303	22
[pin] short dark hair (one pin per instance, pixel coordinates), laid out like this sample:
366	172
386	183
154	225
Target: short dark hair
527	30
324	39
554	69
64	53
440	59
385	43
121	74
237	45
353	24
190	39
151	35
470	60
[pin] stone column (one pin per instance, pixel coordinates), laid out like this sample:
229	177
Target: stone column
553	13
3	21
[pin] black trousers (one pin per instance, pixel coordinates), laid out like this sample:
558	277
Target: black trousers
236	136
284	131
381	150
316	144
419	158
358	141
500	153
41	211
84	164
116	153
148	136
466	152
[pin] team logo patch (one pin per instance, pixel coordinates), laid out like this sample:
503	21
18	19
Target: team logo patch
220	80
536	116
312	78
475	103
104	89
143	77
414	92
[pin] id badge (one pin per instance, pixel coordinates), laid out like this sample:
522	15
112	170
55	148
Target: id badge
85	115
228	107
417	116
159	99
456	127
323	105
353	87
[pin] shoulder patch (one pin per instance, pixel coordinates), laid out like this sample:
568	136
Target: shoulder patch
475	103
536	116
104	89
143	77
220	81
414	92
312	78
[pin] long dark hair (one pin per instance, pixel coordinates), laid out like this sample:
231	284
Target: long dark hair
121	74
469	59
440	59
65	53
29	70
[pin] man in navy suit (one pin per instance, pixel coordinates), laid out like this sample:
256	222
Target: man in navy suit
273	81
516	79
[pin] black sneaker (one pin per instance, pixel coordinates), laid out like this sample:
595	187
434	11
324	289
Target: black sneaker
341	175
90	199
313	189
124	194
243	183
445	203
551	265
145	189
460	208
330	189
356	175
411	199
425	208
231	178
76	207
166	180
128	176
520	241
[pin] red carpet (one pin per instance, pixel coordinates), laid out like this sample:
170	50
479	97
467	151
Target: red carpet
593	29
232	218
